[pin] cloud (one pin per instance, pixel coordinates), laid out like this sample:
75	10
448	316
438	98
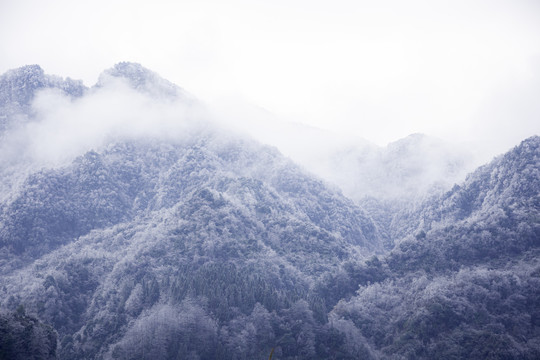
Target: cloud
63	128
381	70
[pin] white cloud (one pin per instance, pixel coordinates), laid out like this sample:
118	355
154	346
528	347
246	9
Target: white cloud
64	128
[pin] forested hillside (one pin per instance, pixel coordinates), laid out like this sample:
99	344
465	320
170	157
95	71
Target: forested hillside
196	242
18	88
466	282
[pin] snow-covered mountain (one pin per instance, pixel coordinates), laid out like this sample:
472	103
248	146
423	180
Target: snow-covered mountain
159	233
408	169
143	80
465	283
18	88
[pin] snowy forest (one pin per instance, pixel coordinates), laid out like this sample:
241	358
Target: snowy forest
134	224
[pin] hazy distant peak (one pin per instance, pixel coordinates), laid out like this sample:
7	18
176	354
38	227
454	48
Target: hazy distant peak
414	137
413	141
141	79
137	74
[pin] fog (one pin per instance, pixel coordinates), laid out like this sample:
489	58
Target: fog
61	128
461	71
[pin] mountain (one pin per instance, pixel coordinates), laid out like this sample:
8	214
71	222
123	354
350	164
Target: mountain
19	87
129	180
163	234
143	80
389	182
234	216
207	237
493	214
408	169
405	171
465	283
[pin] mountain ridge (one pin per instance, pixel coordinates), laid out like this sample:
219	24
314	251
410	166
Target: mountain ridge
204	243
144	80
19	87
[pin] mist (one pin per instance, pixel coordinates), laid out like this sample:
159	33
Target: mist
289	173
60	127
63	128
409	167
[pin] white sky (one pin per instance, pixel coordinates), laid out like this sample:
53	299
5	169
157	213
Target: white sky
462	70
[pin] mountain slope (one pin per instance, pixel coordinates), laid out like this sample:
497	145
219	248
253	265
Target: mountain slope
215	223
24	337
493	214
100	190
467	284
19	87
143	80
165	235
408	169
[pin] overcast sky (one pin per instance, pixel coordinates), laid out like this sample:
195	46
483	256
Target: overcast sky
464	70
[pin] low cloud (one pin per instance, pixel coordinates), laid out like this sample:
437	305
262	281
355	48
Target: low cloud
63	128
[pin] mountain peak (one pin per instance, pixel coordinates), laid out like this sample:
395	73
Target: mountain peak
141	79
412	141
533	141
19	86
28	70
135	72
525	153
